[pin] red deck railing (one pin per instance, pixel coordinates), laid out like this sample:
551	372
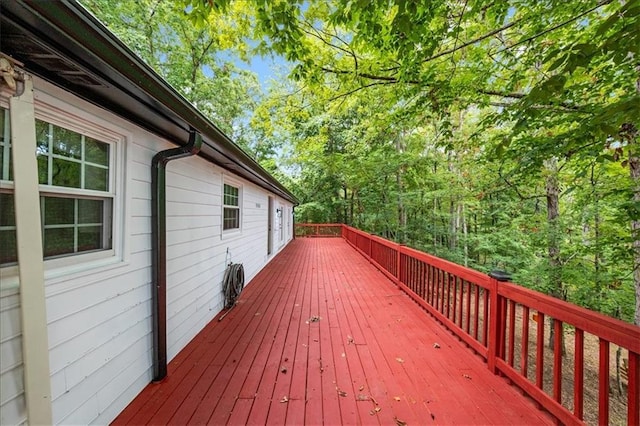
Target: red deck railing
318	230
493	318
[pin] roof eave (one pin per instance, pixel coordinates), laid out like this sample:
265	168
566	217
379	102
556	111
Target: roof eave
129	87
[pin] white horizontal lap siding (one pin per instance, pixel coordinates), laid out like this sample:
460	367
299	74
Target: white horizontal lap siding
12	402
99	317
193	200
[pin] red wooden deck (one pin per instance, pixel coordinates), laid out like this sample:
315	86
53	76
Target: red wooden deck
322	337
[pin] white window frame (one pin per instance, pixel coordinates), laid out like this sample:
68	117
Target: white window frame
227	180
58	112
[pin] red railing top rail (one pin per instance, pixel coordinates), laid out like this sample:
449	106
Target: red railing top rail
611	329
437	284
320	225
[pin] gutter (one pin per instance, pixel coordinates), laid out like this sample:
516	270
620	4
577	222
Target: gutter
159	247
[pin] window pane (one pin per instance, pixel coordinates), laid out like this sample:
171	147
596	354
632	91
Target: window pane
90	211
96	178
58	210
7	212
230	195
42	137
5	146
89	238
8	250
65	173
67	143
231	219
43	167
58	241
96	152
2	123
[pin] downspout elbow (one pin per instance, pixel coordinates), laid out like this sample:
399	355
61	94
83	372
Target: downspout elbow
159	248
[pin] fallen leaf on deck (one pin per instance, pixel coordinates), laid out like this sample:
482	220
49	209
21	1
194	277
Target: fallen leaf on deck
283	370
362	397
375	411
397	398
256	314
437	346
284	399
342	393
466	376
349	340
314	318
361	388
399	422
400	360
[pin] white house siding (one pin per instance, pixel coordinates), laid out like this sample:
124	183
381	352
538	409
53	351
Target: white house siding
99	315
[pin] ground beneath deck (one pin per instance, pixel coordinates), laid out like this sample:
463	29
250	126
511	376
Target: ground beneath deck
322	337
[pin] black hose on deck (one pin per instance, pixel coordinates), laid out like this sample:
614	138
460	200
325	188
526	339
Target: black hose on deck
232	284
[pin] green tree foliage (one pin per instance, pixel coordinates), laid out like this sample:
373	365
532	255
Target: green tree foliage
498	134
191	57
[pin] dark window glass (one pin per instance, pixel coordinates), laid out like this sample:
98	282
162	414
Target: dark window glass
65	173
58	211
96	178
89	238
96	152
58	241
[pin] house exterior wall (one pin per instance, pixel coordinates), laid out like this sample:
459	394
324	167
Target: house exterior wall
99	310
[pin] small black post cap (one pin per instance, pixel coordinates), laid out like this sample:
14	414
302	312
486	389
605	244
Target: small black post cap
500	275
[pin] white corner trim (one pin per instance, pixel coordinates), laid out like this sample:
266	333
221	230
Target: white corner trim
35	341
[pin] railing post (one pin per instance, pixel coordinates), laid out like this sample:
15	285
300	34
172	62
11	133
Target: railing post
496	320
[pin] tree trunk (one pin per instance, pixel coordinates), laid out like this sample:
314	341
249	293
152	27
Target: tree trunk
630	133
553	243
465	235
634	168
402	212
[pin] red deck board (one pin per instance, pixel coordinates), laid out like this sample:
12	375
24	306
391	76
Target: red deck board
372	347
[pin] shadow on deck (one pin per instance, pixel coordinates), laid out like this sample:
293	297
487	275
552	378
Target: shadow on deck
320	336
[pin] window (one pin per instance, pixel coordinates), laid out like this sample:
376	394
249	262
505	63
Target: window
76	195
77	205
231	207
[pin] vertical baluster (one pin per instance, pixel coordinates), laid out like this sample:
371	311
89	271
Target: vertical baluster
524	350
512	330
485	319
429	286
633	395
502	328
476	313
460	301
454	292
578	375
540	351
468	322
557	360
448	301
603	383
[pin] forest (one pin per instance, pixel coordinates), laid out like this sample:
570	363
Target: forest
496	134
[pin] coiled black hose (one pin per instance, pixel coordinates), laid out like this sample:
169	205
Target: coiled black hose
232	284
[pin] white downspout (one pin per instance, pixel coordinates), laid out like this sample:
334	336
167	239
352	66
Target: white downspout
35	340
